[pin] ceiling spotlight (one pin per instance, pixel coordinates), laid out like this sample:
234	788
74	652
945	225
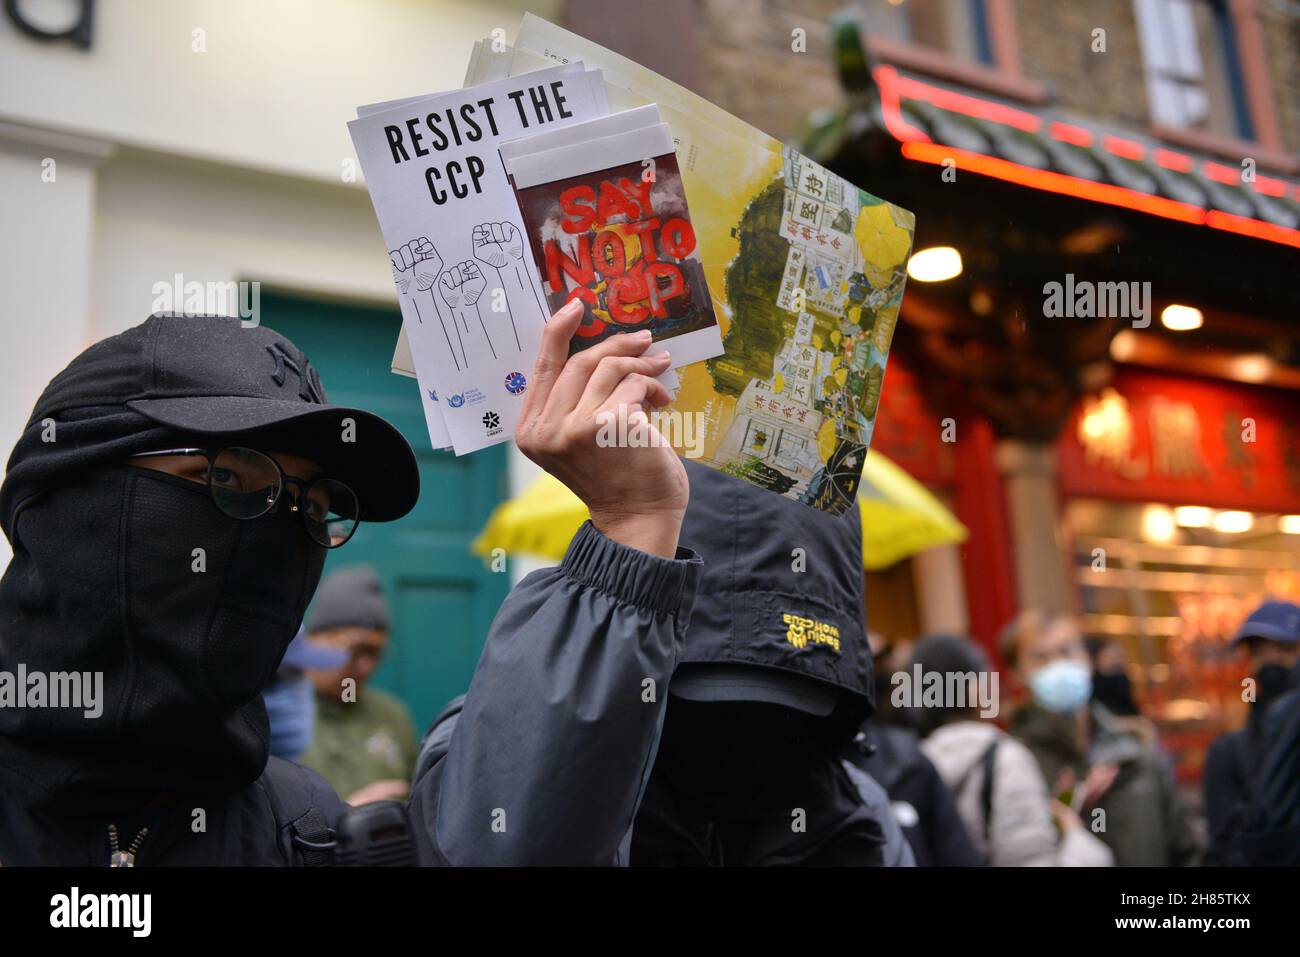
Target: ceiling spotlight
1193	516
934	264
1181	318
1234	523
1158	524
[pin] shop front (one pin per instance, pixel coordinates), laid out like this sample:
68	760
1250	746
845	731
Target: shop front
1181	512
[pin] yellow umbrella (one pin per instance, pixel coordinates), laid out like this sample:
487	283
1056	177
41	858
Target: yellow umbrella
899	518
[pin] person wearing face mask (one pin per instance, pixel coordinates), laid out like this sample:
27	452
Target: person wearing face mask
1270	638
999	790
363	743
1091	760
290	698
170	504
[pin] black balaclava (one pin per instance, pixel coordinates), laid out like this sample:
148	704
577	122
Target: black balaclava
107	576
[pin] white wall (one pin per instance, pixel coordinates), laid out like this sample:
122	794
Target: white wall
221	165
277	84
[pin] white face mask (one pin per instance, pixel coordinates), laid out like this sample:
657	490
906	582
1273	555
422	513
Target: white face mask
1062	687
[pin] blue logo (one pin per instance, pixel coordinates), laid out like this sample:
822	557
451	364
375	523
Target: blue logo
456	400
516	383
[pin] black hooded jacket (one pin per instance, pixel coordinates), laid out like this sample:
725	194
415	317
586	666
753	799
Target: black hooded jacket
183	614
740	779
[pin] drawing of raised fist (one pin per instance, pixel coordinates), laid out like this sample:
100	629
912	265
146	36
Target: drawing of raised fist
415	263
462	283
497	243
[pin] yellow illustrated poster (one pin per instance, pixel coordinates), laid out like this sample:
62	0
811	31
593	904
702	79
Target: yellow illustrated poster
807	271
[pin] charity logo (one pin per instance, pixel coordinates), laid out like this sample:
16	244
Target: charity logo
491	420
456	400
516	383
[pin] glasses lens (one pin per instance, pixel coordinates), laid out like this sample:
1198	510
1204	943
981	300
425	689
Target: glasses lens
245	483
331	512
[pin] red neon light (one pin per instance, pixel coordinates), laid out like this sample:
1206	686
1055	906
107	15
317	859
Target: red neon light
1069	133
1125	149
969	105
1223	174
1253	228
1269	186
1178	162
916	145
1056	182
899	128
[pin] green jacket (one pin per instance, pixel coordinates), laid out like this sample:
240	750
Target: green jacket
356	743
1145	822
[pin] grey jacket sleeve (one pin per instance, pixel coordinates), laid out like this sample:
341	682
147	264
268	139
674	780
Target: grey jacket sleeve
550	757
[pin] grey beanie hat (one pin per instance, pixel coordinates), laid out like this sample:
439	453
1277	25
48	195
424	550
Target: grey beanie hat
349	598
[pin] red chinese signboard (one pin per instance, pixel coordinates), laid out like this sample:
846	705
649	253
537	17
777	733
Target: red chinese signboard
1158	437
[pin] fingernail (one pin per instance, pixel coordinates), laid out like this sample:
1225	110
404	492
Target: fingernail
644	335
570	307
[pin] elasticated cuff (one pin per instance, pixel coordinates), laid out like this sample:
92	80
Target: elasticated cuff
662	585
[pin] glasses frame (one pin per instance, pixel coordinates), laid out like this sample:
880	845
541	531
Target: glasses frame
285	480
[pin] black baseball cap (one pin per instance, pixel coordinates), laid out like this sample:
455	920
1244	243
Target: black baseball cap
213	378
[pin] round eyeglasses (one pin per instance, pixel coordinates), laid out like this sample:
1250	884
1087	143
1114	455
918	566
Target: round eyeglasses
246	484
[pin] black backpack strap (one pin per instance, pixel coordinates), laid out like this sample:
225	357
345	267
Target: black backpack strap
987	760
304	835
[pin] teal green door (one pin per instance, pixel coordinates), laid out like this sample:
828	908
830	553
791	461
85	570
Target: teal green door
442	597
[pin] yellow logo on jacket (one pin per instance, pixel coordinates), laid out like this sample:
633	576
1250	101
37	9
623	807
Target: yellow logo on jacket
800	631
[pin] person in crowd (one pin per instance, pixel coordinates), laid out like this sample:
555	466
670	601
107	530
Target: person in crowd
891	753
1111	686
1086	754
1000	792
772	681
1270	836
170	504
363	743
290	698
1270	639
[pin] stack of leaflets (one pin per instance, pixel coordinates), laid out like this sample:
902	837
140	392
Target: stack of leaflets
800	271
608	223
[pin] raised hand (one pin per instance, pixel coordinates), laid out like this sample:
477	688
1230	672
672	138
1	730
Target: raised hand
497	244
415	264
462	283
636	494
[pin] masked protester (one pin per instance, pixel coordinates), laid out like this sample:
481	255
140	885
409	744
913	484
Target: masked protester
1090	759
1270	638
170	505
771	683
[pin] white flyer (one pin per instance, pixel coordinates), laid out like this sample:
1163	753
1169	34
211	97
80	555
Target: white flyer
471	303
